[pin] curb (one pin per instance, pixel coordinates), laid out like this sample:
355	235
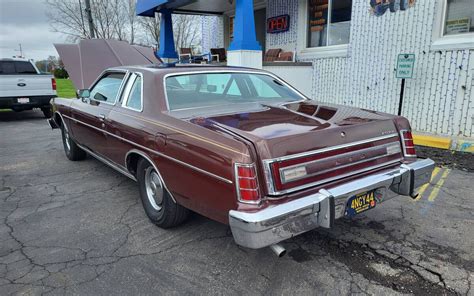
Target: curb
447	143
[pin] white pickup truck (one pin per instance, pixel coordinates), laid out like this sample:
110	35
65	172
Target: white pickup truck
23	87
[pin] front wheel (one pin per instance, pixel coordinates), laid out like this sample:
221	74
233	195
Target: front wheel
157	201
73	152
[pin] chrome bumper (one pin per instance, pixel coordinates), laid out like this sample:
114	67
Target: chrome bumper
275	224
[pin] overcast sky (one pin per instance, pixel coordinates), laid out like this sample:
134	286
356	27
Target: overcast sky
25	22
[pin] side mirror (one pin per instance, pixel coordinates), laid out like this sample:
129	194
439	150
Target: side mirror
83	93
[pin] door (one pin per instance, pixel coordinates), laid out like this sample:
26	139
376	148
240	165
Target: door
125	121
261	27
91	114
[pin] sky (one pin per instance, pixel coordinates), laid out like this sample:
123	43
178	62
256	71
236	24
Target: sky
25	22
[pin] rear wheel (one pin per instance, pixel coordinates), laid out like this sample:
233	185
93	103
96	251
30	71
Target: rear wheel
73	152
157	201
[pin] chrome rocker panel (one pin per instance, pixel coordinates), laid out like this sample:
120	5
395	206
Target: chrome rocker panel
275	224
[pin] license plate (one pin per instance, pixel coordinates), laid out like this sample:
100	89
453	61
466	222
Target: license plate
23	100
360	203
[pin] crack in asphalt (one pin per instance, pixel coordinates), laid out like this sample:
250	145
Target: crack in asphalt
380	255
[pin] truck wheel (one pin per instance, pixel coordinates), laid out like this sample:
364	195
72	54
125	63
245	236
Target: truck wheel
46	112
73	152
157	201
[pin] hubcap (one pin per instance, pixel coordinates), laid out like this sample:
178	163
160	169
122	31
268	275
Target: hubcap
154	188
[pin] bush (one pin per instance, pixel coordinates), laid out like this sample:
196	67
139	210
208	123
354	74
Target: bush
60	73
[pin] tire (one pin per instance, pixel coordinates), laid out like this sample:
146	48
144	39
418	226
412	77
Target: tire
46	112
157	201
73	152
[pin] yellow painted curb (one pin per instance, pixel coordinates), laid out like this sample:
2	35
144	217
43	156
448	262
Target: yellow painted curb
432	141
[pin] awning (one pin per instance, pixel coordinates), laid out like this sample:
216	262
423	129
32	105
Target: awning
87	59
149	7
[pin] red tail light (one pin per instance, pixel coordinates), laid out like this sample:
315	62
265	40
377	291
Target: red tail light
53	83
407	143
247	183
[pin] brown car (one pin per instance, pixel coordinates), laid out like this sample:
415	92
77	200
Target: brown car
239	146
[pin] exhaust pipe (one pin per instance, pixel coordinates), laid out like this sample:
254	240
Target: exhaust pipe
278	250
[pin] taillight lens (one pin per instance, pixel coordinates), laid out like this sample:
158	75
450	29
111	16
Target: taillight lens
247	183
407	142
53	83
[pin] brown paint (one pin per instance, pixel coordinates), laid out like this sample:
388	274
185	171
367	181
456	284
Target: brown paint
275	131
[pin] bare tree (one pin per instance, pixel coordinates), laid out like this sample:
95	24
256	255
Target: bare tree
151	29
117	19
186	30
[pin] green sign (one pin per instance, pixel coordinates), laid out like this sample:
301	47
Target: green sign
405	65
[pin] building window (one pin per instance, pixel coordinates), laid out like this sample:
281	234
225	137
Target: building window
459	17
329	22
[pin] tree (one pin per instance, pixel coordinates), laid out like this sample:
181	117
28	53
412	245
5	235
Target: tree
117	19
151	28
113	19
185	30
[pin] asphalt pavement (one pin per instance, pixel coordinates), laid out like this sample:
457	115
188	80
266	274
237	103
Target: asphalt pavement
79	228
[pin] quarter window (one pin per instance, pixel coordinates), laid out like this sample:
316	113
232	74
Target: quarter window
329	22
135	98
459	17
107	88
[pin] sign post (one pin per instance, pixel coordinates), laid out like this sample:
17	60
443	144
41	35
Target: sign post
405	67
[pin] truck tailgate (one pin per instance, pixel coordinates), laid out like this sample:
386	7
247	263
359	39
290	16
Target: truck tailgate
26	86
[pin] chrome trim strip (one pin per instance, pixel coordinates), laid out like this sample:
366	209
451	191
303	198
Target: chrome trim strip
154	152
282	192
228	71
119	93
128	89
341	166
269	176
107	162
313	152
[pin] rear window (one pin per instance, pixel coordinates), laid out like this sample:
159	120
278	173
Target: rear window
213	89
16	67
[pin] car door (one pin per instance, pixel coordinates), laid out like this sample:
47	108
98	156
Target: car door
125	121
90	114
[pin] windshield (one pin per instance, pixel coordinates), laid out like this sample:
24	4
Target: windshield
214	89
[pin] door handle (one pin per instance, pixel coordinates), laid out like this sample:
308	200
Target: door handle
102	117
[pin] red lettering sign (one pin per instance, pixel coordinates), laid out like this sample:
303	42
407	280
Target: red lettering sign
278	24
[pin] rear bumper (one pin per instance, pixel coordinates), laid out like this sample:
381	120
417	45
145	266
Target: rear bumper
35	102
274	224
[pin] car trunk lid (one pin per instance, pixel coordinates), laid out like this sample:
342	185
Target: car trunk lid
305	143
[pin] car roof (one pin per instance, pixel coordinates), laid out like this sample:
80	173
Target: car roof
14	60
164	69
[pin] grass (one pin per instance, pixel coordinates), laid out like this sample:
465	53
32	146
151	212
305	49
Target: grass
65	88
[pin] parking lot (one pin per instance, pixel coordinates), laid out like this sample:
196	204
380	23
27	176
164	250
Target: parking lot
79	228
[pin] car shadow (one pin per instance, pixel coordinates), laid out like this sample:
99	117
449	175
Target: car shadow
9	115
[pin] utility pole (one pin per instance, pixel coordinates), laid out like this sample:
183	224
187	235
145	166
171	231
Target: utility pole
89	18
20	50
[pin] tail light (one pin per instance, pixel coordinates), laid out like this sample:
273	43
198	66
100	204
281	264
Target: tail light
53	83
407	143
247	183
